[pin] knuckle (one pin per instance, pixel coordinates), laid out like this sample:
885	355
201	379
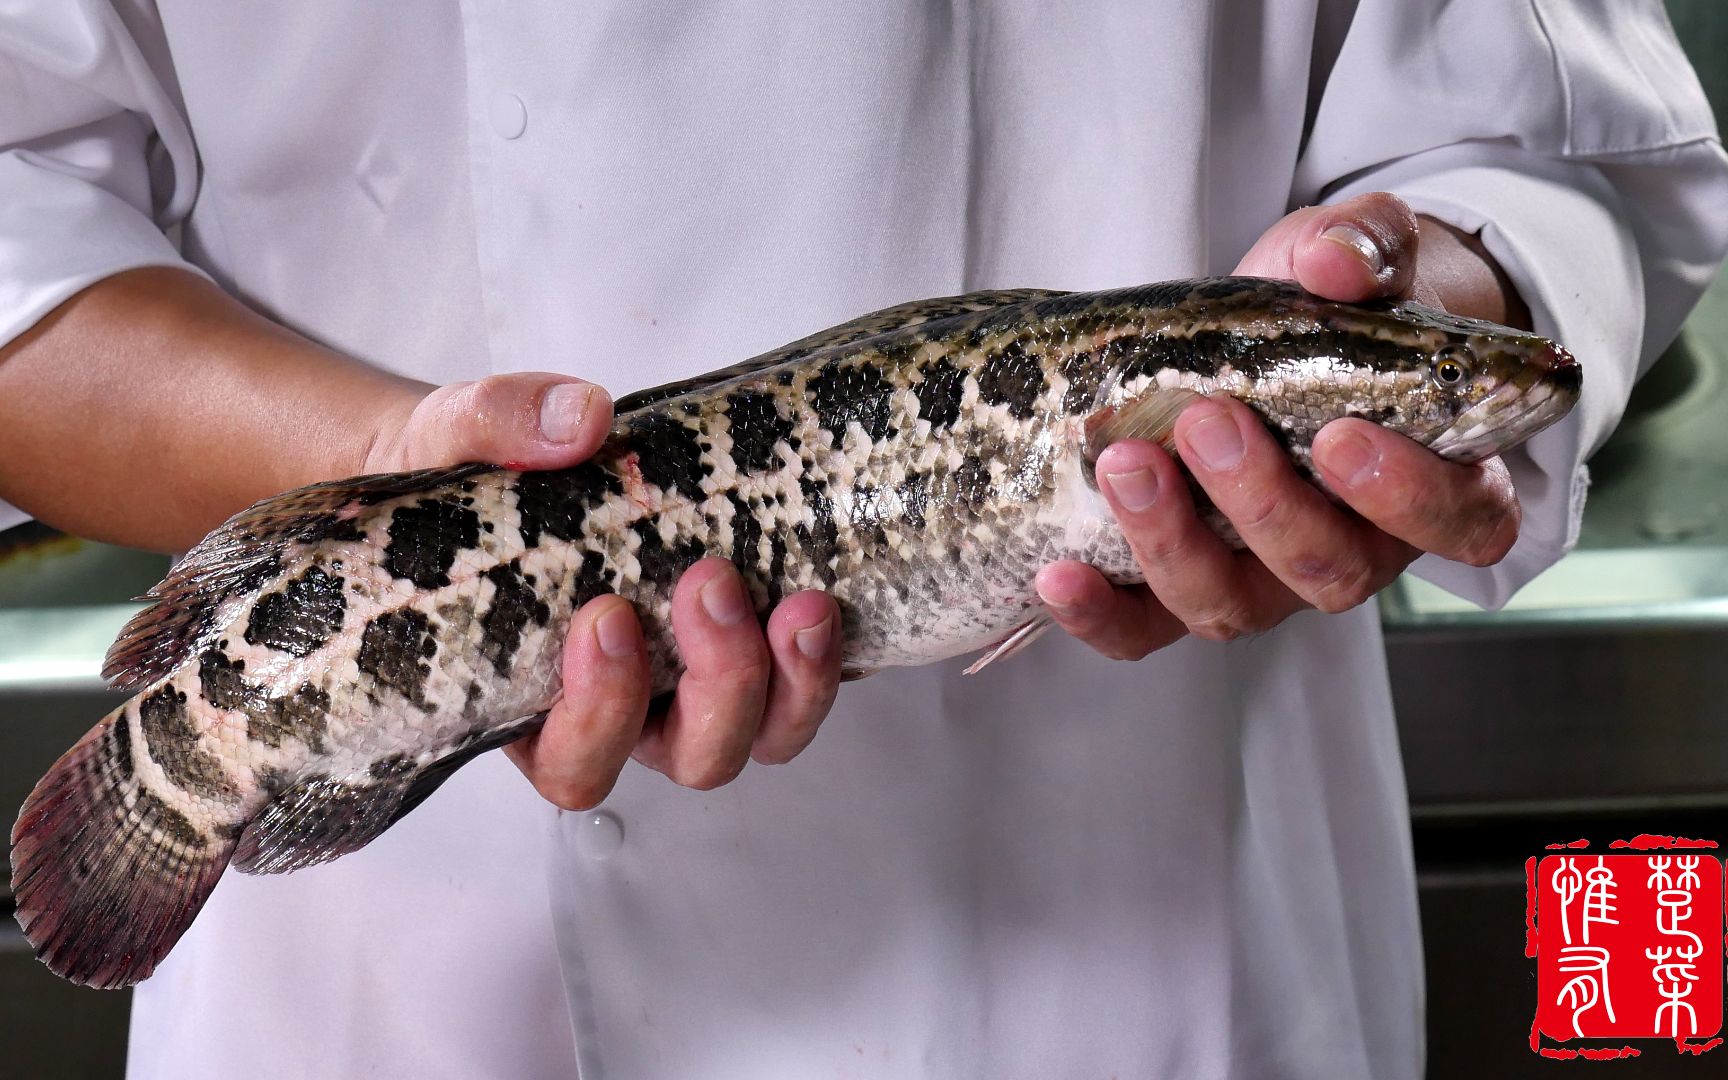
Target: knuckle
1334	586
1260	512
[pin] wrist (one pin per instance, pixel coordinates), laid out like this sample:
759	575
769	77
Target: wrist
1455	272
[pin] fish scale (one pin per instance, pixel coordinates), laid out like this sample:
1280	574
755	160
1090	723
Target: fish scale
317	666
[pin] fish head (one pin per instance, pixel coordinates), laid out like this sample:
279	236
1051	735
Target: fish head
1465	388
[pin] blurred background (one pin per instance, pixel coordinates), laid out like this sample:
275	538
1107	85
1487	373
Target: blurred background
1595	706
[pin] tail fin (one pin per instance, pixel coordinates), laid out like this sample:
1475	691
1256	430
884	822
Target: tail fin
106	874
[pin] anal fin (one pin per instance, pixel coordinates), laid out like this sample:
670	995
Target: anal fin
319	818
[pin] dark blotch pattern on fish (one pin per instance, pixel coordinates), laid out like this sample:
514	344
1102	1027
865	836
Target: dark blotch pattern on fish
746	535
162	821
120	749
1013	378
299	617
172	743
756	427
514	605
394	650
661	564
668	453
842	393
425	539
940	394
556	503
592	580
970	483
223	683
302	715
819	537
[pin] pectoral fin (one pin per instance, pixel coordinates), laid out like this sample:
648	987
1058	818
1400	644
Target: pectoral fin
1018	638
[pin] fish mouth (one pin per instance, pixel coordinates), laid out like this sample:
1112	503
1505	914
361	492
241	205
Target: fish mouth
1541	393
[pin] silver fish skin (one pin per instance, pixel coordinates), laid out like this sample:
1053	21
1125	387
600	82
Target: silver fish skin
320	663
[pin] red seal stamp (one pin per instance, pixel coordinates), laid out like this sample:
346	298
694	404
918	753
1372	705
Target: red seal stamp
1628	945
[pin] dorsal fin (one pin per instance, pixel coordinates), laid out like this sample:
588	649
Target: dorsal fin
190	606
865	326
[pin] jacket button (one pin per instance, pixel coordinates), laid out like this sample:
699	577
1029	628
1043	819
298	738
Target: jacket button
507	114
599	834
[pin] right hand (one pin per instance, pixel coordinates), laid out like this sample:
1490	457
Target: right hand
748	691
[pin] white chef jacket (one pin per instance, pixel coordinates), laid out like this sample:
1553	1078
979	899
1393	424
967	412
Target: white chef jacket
1194	866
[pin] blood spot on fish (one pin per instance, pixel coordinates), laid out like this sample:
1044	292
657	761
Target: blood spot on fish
1013	378
514	605
668	453
757	429
172	742
394	650
301	616
940	393
425	539
843	393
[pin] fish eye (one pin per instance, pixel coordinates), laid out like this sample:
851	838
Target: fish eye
1452	366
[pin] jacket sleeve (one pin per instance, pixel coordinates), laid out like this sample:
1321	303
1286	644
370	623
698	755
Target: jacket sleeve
96	158
1576	140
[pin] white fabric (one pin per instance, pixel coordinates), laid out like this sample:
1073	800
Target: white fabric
1194	866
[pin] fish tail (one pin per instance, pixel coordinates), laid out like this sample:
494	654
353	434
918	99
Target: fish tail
106	874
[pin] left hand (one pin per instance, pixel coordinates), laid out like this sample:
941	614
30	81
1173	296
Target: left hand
1303	550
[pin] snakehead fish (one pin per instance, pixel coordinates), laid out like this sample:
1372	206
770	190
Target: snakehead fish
317	666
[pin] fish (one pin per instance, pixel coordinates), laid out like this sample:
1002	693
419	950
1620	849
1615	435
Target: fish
316	667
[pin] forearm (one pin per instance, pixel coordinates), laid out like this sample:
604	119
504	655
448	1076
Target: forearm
152	405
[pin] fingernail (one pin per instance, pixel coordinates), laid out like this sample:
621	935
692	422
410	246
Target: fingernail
1351	459
614	633
813	641
1359	242
1216	441
1135	490
1060	607
724	600
562	409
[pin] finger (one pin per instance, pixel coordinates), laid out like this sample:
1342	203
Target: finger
1332	561
574	760
1358	249
1121	622
1215	592
528	420
1467	513
804	640
704	739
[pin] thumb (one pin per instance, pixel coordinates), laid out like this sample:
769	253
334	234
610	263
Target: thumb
526	420
1359	249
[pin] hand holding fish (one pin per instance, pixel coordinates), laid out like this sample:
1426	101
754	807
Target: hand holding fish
749	690
1302	550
